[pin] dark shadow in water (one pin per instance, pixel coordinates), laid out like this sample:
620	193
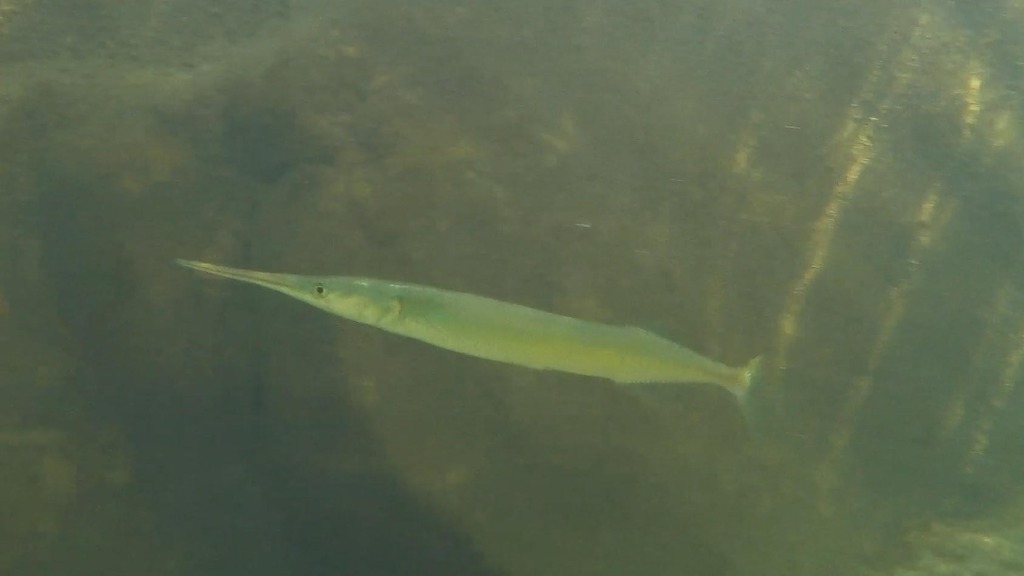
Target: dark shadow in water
234	494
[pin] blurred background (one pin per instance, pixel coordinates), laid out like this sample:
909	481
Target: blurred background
835	185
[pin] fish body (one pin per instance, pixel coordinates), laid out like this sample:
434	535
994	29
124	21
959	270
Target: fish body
500	331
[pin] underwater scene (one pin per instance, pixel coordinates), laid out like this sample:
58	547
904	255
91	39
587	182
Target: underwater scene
532	288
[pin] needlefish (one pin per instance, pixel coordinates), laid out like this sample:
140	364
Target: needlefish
501	331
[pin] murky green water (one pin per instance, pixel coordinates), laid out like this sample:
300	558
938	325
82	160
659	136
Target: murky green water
834	185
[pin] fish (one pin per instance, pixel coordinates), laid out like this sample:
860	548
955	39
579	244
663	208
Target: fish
502	331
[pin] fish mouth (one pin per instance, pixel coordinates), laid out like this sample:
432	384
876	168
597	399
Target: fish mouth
268	279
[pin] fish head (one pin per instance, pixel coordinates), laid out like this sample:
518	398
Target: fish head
353	298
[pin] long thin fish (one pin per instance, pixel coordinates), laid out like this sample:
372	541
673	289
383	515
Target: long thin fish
501	331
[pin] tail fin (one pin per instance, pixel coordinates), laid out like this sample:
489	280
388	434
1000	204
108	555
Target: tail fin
751	378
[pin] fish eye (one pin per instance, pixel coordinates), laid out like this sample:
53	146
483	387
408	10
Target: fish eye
319	290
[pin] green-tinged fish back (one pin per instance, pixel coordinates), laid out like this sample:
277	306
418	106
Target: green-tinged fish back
516	334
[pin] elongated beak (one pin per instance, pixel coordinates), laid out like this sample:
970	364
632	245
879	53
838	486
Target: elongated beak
267	279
